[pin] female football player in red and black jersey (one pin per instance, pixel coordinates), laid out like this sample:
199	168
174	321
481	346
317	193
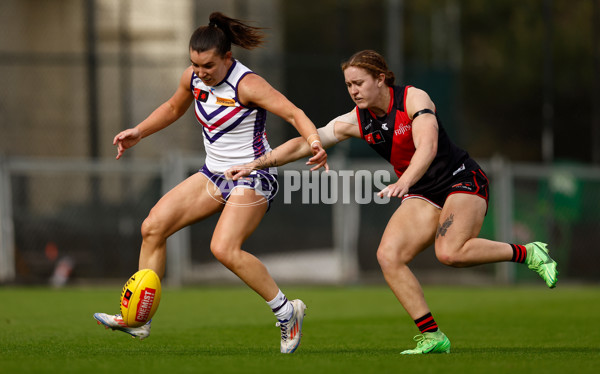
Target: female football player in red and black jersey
444	192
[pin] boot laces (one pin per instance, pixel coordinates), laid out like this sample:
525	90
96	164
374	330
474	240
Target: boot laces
284	326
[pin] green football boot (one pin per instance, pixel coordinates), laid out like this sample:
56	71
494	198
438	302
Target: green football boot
539	261
430	342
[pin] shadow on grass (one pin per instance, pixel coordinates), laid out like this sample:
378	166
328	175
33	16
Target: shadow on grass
219	350
528	350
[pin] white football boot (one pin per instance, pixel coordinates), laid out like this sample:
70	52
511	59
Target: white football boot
291	330
115	322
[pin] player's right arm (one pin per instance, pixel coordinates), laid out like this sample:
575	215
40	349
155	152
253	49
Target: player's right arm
337	130
161	117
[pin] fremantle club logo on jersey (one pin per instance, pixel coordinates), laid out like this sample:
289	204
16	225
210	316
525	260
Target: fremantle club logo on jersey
200	95
374	138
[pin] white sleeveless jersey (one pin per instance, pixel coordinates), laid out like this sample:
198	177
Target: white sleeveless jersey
233	133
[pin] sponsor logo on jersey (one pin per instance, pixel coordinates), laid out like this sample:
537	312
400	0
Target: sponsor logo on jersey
374	137
402	129
200	95
384	126
225	102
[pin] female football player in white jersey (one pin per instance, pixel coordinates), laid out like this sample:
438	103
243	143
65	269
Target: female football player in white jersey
230	103
444	192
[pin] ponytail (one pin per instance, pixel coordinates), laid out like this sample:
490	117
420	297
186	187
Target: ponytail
223	31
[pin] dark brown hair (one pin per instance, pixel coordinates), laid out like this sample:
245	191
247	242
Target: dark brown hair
372	62
223	31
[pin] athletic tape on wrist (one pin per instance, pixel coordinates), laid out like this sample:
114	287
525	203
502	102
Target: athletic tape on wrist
310	136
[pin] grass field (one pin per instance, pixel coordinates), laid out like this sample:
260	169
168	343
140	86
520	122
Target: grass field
346	330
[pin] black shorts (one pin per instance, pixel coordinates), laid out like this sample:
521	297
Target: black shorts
468	178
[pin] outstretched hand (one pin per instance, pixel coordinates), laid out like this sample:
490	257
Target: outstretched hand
319	158
126	139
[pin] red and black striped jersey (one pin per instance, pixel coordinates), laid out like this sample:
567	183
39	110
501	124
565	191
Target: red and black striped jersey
391	137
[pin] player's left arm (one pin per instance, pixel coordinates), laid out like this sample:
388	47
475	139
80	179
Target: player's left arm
425	137
254	90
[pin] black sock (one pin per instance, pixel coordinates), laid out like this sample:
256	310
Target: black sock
426	323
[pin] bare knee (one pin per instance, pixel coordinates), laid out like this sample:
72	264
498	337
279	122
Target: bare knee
391	257
152	229
449	255
223	252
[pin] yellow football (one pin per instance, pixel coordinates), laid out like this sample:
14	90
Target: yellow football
140	298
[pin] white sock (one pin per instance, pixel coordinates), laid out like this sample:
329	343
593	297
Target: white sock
282	308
